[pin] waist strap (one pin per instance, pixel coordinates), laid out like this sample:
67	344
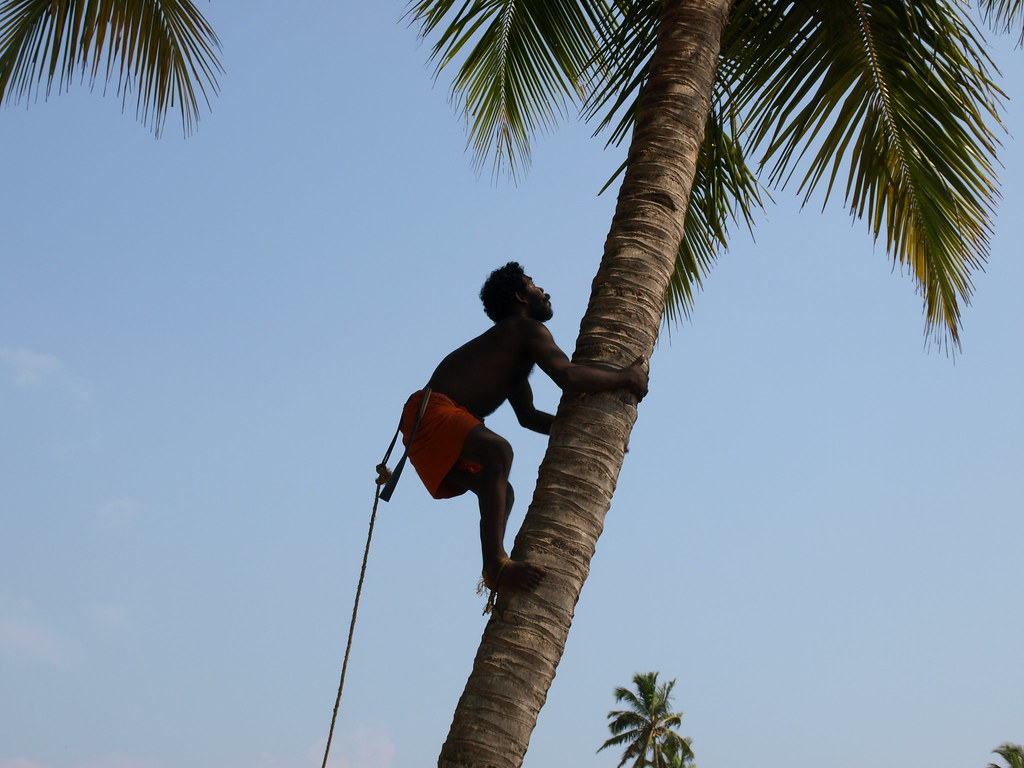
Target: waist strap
389	486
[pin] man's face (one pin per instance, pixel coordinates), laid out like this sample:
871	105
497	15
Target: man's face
538	303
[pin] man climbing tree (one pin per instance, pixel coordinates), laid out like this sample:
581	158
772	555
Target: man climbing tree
450	447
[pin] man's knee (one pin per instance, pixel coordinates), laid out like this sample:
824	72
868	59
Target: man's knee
489	449
498	454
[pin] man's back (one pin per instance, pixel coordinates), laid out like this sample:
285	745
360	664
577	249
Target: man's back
485	371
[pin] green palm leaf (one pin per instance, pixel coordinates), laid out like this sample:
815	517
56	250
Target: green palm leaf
628	35
524	63
1007	15
163	49
900	94
725	191
1013	754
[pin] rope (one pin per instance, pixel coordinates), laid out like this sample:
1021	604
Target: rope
386	481
382	477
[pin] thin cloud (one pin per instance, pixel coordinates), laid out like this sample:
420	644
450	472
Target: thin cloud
30	370
25	636
20	762
120	761
27	368
111	617
117	513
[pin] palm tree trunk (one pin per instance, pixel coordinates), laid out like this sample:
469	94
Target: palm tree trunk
523	642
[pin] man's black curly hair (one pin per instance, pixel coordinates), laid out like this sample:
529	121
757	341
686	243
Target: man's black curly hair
500	288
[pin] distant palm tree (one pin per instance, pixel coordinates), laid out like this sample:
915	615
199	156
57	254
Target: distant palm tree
1013	754
647	727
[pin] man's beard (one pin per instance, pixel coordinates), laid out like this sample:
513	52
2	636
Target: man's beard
542	312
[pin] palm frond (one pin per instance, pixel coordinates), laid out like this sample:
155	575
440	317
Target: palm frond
625	737
522	65
163	49
677	750
627	39
1005	15
626	695
1013	754
901	93
624	720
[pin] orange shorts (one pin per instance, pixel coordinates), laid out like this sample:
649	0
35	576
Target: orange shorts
438	443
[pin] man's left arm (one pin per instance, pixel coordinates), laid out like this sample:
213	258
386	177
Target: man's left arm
529	417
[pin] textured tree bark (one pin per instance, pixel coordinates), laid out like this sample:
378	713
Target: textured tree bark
523	642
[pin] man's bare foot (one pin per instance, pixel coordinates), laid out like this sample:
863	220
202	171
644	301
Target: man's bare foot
514	574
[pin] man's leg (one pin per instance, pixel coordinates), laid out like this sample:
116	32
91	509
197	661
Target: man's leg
494	493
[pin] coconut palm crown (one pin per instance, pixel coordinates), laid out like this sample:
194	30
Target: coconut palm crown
647	727
890	104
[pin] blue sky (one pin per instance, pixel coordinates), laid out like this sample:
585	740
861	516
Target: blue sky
204	348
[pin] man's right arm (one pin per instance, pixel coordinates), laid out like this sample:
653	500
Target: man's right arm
580	378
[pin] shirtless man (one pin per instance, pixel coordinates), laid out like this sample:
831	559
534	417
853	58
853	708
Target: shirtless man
454	452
